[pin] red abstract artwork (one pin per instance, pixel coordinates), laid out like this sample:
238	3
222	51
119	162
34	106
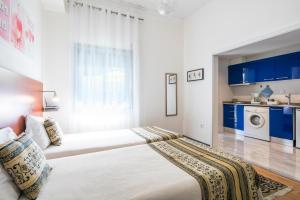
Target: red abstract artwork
16	28
17	32
4	19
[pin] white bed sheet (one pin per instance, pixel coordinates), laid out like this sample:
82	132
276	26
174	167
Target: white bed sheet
82	143
135	173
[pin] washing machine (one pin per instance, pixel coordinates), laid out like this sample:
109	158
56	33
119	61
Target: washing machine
256	122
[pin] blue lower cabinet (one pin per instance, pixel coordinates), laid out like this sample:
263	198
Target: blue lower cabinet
233	116
281	122
239	117
228	115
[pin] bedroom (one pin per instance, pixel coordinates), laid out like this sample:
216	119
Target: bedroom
103	68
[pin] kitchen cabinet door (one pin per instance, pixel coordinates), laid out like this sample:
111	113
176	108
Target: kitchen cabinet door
235	74
241	74
249	72
285	65
233	116
265	70
228	116
281	122
296	69
239	117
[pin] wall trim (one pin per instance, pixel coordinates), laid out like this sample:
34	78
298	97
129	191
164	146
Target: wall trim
270	35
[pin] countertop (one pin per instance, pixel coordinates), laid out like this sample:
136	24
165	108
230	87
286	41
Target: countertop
248	103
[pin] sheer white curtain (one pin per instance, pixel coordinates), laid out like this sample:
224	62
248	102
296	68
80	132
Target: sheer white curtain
105	68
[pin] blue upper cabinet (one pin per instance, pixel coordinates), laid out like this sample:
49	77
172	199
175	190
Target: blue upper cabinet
284	67
296	69
241	74
249	73
265	70
235	74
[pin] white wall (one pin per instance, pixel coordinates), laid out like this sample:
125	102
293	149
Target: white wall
13	59
161	52
57	70
221	26
161	45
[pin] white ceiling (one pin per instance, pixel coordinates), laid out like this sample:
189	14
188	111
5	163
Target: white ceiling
54	5
183	8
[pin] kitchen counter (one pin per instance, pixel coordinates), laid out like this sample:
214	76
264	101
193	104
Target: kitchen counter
248	103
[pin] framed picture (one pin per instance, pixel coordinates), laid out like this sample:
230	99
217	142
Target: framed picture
195	75
173	79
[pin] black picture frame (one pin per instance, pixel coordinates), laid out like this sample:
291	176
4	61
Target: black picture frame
195	75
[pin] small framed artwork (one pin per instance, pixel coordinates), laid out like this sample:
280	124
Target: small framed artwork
195	75
173	79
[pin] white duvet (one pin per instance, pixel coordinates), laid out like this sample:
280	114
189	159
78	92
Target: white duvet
82	143
137	173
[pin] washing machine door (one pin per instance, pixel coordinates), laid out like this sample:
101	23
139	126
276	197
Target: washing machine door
256	120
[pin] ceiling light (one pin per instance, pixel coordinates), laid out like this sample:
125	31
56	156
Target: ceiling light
166	7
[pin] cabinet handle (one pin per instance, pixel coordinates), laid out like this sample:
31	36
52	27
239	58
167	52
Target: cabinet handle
230	106
282	78
276	109
268	79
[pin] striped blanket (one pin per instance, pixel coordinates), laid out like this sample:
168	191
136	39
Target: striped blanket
220	175
155	134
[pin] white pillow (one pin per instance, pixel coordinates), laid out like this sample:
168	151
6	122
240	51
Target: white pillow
8	190
35	127
7	134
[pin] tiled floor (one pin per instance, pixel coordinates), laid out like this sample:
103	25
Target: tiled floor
277	158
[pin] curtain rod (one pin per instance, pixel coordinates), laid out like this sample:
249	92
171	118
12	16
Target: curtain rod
76	3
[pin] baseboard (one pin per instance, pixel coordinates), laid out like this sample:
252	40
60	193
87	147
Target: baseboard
285	142
235	131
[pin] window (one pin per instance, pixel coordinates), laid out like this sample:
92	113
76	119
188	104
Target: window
103	84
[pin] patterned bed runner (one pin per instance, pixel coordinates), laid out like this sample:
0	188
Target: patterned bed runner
220	175
155	134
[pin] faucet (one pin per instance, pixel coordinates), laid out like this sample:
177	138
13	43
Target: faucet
289	96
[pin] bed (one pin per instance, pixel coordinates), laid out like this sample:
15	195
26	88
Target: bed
82	143
167	170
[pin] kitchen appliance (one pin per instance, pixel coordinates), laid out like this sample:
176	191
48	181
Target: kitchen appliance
255	98
298	128
256	122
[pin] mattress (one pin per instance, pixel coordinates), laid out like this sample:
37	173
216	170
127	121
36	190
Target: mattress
136	173
82	143
167	170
